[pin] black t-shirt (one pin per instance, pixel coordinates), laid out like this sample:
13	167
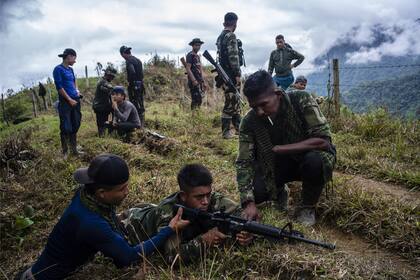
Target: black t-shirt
194	60
134	69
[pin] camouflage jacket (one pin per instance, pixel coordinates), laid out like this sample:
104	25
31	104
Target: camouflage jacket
144	222
228	53
281	59
298	118
102	99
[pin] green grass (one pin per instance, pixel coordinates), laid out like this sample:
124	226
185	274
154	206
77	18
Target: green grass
379	147
373	145
46	184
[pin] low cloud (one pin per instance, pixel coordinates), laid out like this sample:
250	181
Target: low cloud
34	32
401	39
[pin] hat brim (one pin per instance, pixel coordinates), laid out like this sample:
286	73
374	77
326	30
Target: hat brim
81	176
125	50
193	43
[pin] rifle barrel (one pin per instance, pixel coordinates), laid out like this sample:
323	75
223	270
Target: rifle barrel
277	233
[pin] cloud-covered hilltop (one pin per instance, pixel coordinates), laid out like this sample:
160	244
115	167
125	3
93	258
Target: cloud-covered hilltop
379	66
371	43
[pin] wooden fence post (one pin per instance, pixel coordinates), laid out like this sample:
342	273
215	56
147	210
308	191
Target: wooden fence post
336	87
3	106
33	104
87	77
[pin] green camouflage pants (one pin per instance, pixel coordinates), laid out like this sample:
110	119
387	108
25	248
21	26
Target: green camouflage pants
232	105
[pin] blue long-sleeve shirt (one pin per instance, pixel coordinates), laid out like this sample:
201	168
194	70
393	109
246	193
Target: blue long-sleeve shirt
79	235
64	79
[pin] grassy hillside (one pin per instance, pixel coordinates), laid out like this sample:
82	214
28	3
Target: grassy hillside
400	96
376	230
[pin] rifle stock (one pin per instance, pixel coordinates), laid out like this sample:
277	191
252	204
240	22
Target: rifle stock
184	63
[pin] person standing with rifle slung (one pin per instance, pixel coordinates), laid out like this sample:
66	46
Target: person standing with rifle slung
194	69
136	88
229	59
69	102
102	103
281	61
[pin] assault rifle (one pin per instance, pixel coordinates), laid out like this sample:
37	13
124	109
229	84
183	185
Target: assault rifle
229	224
222	74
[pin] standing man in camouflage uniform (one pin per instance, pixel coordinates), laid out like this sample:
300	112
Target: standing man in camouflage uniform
136	88
196	82
228	56
281	60
195	182
282	138
102	105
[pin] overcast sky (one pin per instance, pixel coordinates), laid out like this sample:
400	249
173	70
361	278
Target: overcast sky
33	32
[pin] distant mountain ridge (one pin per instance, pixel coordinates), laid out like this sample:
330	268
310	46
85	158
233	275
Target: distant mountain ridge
356	79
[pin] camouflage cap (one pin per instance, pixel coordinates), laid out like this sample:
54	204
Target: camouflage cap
195	41
110	70
301	79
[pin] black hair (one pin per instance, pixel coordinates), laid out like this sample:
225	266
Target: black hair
230	18
92	188
194	175
278	37
258	83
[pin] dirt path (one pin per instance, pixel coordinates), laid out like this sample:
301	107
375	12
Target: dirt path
359	248
385	189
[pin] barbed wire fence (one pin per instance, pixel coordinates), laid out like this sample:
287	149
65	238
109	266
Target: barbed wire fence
331	87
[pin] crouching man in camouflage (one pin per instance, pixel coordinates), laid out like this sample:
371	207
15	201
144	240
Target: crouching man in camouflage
195	182
283	138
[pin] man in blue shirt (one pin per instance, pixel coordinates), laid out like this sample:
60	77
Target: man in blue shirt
69	101
90	225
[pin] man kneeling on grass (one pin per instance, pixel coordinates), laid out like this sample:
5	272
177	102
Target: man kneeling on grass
90	225
195	183
283	138
126	118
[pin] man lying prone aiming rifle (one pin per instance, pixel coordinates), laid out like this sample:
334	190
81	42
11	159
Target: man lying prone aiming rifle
213	219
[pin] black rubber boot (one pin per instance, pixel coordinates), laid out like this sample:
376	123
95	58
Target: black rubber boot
236	120
141	121
101	131
226	128
64	143
73	145
283	198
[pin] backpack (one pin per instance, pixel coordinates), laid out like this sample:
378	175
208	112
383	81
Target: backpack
241	54
222	50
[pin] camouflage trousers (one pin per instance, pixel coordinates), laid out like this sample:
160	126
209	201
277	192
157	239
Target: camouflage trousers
232	105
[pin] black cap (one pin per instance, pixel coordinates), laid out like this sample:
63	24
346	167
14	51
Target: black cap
105	169
118	89
195	41
230	17
67	52
125	49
